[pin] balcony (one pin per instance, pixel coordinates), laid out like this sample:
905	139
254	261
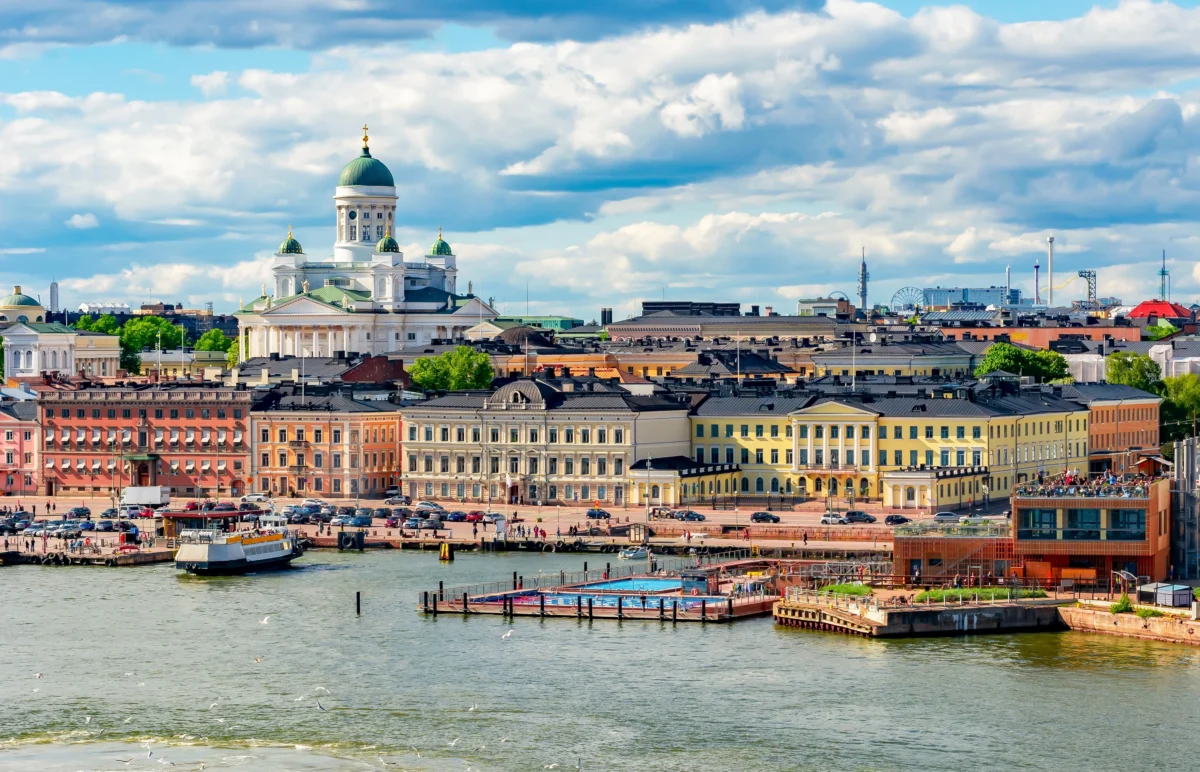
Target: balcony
1053	491
297	443
1081	534
300	468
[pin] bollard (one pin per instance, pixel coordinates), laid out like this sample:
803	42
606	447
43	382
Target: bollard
585	570
730	608
441	591
578	606
541	604
425	601
464	604
358	602
435	602
619	614
562	577
674	611
514	580
703	609
661	608
589	609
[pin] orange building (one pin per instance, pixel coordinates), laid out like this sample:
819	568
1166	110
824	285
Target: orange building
1041	337
327	442
1123	426
190	436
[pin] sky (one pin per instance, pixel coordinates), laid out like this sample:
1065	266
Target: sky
581	155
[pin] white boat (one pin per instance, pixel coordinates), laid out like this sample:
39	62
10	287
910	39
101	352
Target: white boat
210	552
634	553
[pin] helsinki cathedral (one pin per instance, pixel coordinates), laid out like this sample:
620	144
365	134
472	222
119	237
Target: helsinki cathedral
364	298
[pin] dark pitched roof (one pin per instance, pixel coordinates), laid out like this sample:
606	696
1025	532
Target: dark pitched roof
1087	393
742	406
25	410
321	368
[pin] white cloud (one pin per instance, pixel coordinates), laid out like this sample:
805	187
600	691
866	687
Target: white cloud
82	221
213	84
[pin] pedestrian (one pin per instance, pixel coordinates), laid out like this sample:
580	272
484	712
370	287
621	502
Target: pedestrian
806	538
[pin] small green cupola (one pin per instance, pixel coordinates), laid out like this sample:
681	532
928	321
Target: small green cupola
387	243
290	246
440	248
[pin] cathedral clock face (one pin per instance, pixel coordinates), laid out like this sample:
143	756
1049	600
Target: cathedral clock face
353	215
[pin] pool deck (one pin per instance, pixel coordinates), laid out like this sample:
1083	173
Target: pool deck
685	610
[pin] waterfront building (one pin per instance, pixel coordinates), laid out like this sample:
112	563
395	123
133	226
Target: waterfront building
1123	428
329	441
33	348
189	436
18	447
364	297
537	440
673	324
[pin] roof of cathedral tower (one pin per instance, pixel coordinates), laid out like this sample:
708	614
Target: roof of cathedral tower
365	170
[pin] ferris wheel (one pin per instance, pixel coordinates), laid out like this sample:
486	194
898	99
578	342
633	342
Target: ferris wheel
908	299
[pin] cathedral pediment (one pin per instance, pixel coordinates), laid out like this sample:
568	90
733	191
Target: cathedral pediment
302	305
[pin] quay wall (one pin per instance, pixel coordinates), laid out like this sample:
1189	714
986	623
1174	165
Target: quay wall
965	620
1171	629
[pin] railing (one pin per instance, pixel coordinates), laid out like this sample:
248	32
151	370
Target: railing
1117	491
975	530
664	567
1082	534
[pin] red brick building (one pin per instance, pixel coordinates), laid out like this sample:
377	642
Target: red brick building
1122	428
191	436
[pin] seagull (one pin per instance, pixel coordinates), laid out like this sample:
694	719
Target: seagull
549	766
320	707
321	689
382	761
219	720
258	659
473	707
300	698
507	635
87	719
126	762
131	673
504	740
149	754
215	704
126	721
35	691
264	619
167	763
453	742
143	683
38	675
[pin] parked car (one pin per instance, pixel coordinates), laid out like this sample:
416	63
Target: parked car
896	520
21	525
8	528
833	518
110	513
191	506
431	524
412	522
455	517
289	509
381	512
68	530
397	499
341	519
763	517
475	516
402	512
858	516
597	514
660	513
34	529
363	512
257	498
491	517
946	517
428	506
79	513
318	503
144	512
361	522
345	510
298	518
328	509
87	525
393	522
105	526
693	517
223	506
392	490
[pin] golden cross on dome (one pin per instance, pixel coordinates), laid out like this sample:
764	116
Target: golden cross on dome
364	135
289	230
388	232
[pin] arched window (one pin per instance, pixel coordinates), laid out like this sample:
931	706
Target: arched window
22	318
54	360
817	485
910	494
833	487
758	485
774	485
803	485
39	318
745	485
865	487
788	488
653	491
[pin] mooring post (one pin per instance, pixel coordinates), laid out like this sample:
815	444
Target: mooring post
619	613
589	609
441	590
464	603
578	606
425	601
562	577
542	604
514	580
731	608
585	570
358	602
674	611
661	608
435	602
703	609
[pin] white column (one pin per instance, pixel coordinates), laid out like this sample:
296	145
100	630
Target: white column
345	338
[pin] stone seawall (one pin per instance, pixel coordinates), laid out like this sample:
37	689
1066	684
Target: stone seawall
1094	620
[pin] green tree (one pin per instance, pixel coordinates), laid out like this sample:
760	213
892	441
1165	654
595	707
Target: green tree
234	352
107	324
1041	365
213	340
1180	407
462	368
84	323
1136	370
142	333
1161	330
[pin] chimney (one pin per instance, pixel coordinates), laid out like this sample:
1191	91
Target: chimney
592	372
753	311
769	310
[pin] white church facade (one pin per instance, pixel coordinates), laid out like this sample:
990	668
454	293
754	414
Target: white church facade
365	298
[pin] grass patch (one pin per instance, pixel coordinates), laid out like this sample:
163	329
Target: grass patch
1123	605
848	589
1149	613
970	593
1196	593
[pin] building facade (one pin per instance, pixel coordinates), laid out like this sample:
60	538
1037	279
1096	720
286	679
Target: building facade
536	441
191	437
33	348
325	442
1124	425
18	448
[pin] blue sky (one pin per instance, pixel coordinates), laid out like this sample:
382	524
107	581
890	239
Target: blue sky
604	153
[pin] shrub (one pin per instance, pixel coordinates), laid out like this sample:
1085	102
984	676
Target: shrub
1196	593
848	589
1149	613
983	593
1123	605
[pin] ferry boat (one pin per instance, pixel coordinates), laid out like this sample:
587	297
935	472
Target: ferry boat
210	552
634	553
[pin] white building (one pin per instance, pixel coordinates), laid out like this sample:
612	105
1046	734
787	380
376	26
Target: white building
365	297
32	348
102	308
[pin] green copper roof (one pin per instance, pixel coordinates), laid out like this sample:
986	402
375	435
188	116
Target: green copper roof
387	243
365	171
440	247
335	295
290	246
18	299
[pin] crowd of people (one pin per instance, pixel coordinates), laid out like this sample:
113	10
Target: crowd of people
1073	483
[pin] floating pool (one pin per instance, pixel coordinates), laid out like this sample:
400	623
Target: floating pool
610	601
637	585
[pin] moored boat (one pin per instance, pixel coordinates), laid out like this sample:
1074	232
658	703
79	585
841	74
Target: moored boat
210	552
634	553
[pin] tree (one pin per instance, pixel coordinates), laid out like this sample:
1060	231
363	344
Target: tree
1041	365
1161	330
1180	407
107	324
462	368
142	333
234	353
213	340
84	323
1136	370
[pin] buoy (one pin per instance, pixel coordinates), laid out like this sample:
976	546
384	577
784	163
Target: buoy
695	591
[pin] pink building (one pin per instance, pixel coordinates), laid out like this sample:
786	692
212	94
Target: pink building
18	448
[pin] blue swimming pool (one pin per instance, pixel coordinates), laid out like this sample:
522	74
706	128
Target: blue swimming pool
637	585
610	601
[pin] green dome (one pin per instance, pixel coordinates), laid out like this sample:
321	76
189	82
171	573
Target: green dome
366	171
387	243
290	246
18	299
440	247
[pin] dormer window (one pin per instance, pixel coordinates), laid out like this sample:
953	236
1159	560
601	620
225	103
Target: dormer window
516	398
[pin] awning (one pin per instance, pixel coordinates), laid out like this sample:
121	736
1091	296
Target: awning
49	463
174	466
81	465
80	435
95	464
204	437
191	466
221	437
66	435
237	438
221	466
205	466
111	464
95	435
66	463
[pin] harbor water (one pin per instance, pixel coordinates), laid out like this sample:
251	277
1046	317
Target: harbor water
151	657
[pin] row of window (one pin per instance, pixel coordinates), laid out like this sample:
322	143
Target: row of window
569	492
532	465
65	412
368	460
836	431
862	458
568	435
285	485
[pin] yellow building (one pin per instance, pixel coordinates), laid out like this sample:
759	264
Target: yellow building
942	450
